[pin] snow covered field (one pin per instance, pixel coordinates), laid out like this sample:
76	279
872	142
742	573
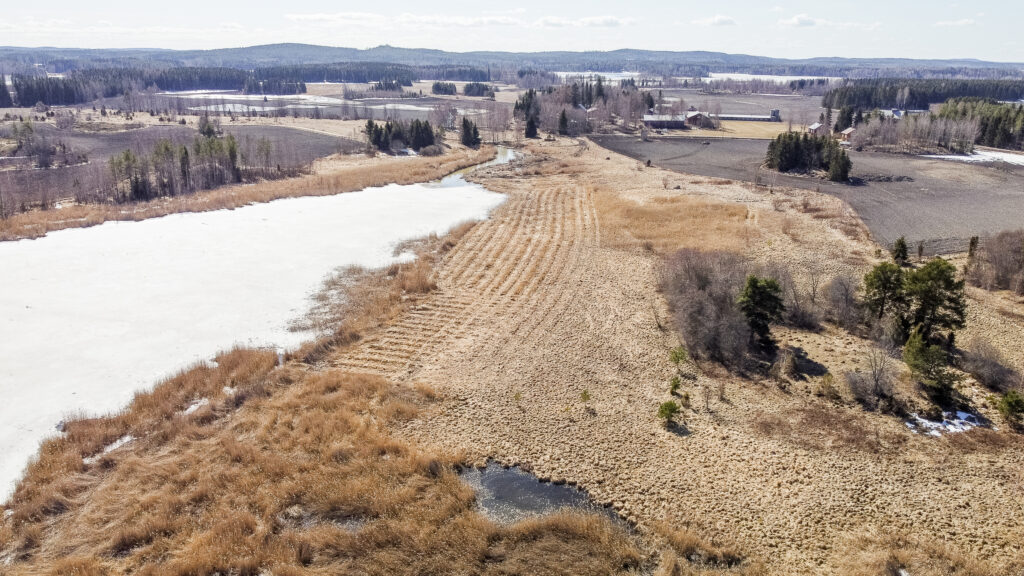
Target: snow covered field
89	316
985	156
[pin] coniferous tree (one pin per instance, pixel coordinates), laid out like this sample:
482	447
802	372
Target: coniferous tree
531	127
563	124
899	251
761	302
470	133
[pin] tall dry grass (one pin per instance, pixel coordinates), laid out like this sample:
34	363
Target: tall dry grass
347	175
303	478
669	223
888	551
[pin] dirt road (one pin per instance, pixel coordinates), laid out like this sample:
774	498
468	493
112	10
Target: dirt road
535	307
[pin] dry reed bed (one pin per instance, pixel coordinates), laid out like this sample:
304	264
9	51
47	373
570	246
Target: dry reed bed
345	175
296	472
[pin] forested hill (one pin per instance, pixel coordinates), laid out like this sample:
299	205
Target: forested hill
61	60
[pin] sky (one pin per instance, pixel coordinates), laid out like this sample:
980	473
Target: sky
779	28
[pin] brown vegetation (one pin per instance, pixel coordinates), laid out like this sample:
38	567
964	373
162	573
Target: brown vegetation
669	223
344	175
304	477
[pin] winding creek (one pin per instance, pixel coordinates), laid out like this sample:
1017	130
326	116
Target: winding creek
90	316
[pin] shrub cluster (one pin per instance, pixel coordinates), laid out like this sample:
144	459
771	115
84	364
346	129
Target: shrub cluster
444	88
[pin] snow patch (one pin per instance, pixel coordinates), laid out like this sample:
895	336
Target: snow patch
109	448
982	156
195	406
952	422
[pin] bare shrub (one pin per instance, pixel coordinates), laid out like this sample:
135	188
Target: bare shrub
701	287
841	304
873	384
800	310
999	264
988	366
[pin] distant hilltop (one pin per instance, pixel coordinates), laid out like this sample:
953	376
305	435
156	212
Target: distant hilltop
684	64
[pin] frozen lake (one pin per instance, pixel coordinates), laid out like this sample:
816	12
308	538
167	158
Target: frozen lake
90	316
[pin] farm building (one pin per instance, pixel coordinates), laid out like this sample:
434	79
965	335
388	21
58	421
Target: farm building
817	129
845	135
773	116
665	121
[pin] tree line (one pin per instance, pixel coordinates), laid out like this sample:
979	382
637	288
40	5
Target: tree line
792	151
869	94
1000	125
86	85
174	169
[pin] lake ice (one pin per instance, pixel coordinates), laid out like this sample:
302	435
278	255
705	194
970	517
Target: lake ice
90	316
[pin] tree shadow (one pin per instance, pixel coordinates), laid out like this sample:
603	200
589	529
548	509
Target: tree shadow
678	428
805	366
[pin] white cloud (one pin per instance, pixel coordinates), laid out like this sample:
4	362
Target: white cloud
444	21
716	20
956	23
588	22
801	20
806	21
775	9
336	18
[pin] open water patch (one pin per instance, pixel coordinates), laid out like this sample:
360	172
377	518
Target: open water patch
509	495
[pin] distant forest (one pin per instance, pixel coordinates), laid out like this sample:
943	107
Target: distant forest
86	85
681	64
917	94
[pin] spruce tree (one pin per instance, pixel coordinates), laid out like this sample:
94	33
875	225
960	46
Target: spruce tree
761	302
531	127
563	124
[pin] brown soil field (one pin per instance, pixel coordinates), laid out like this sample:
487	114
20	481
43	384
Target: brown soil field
540	338
940	202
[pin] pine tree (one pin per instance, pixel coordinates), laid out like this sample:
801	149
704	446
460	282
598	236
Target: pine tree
563	124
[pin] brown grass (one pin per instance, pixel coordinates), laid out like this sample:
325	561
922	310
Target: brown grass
337	178
821	426
355	301
888	552
304	478
666	224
